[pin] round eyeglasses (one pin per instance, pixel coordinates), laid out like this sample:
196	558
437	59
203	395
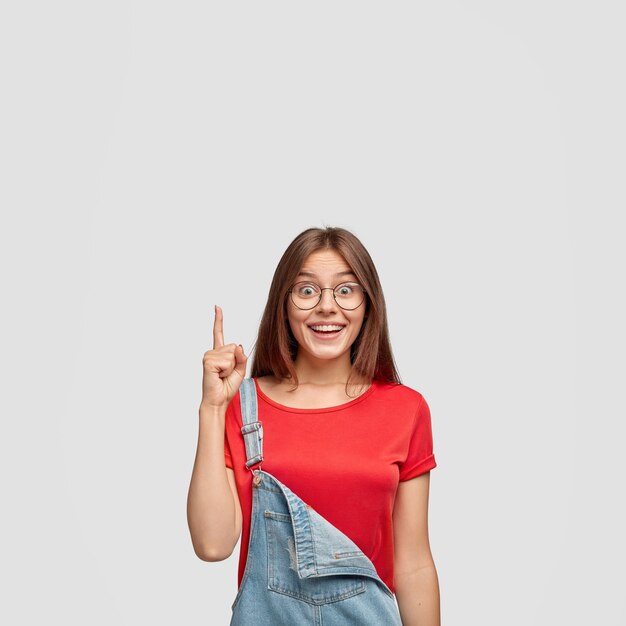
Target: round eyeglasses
307	295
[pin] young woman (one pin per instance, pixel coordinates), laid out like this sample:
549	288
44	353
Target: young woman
339	428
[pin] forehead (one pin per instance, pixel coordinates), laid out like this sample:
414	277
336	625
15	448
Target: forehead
325	263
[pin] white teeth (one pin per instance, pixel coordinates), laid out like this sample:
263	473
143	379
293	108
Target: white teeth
326	327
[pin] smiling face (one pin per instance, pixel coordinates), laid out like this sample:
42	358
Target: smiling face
326	268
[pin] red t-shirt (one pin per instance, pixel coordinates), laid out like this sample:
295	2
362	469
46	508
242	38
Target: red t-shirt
345	461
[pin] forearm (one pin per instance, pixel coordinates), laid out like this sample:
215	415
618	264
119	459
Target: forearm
417	593
210	505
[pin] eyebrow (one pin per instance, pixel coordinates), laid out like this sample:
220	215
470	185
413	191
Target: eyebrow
312	275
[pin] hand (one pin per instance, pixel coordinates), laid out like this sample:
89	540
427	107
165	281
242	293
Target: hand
224	367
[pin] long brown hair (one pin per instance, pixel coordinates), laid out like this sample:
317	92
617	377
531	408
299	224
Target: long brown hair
276	347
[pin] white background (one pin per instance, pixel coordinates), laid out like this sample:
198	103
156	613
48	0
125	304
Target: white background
158	157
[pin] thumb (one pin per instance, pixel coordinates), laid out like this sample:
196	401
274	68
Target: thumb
241	360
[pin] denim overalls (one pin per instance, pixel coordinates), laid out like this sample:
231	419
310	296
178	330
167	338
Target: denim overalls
300	568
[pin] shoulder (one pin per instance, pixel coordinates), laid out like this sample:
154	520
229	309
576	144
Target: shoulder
402	404
403	394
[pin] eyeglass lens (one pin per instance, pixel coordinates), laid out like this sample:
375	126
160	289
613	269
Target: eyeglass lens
306	295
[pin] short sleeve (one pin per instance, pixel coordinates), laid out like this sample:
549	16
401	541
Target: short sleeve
420	457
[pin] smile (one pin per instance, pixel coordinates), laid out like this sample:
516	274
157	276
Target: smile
327	331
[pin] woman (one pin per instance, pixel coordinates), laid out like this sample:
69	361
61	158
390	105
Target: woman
338	426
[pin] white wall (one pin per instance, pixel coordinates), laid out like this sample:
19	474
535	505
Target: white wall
158	157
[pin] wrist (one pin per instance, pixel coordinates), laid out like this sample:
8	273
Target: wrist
211	411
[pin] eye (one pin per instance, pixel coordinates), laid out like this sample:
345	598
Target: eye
304	289
346	289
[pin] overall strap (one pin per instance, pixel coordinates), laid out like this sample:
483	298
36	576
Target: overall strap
252	429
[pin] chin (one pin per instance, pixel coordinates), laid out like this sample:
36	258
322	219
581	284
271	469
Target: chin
327	354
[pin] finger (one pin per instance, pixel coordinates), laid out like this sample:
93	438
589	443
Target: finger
218	328
240	361
223	366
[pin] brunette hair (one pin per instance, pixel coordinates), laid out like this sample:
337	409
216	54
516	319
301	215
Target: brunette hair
276	347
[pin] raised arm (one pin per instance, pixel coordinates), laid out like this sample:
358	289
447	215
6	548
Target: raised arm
213	507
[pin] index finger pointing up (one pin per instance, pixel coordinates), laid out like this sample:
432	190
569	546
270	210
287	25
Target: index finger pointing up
218	328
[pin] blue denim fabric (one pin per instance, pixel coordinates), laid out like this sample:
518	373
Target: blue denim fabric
300	568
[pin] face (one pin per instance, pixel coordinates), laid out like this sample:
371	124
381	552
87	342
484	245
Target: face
326	268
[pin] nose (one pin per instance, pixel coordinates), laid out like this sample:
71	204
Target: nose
327	301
